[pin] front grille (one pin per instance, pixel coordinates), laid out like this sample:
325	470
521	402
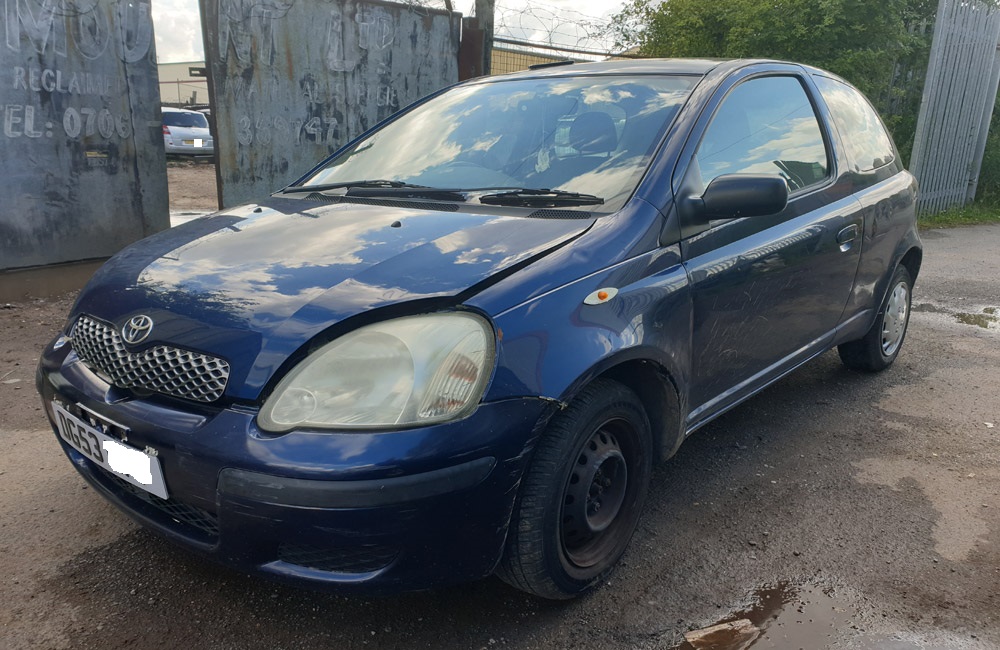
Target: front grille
161	369
357	559
187	516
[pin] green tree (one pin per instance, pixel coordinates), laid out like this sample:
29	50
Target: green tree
881	47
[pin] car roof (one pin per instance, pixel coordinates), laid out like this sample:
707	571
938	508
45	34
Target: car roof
700	67
625	66
168	109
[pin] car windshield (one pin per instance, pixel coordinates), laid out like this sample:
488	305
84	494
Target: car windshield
592	135
190	120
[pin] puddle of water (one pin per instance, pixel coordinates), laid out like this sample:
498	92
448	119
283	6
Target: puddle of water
980	320
45	281
790	616
928	307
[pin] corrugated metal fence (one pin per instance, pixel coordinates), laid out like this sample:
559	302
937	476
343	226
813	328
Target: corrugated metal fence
959	93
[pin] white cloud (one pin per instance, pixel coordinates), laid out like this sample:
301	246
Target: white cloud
593	8
177	25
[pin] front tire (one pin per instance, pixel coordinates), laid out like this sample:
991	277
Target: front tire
582	494
880	346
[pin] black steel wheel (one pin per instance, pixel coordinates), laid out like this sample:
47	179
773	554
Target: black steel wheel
582	494
880	346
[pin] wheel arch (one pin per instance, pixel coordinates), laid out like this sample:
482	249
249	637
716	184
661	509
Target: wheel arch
660	398
912	260
655	385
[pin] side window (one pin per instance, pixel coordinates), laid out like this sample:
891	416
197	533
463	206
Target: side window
765	126
867	143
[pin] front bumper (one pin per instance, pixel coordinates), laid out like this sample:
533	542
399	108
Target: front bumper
373	512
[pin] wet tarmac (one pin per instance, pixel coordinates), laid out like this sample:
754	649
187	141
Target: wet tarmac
787	617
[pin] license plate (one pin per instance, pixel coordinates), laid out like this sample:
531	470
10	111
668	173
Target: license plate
132	465
198	142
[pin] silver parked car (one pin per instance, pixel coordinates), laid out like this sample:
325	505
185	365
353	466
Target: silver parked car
186	133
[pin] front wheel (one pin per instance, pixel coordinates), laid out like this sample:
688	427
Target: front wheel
880	346
581	495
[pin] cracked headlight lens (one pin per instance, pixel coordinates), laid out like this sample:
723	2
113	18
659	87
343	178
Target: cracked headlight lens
405	372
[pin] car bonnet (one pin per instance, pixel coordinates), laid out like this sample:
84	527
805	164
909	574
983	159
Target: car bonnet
255	284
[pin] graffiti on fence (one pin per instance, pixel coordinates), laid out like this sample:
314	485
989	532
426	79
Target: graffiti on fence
79	106
292	81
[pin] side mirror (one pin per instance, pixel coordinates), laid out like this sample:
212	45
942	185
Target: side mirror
741	195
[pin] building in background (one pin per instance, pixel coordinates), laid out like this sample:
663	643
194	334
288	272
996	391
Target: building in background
183	84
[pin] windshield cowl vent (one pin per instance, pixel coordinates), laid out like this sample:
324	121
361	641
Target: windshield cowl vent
559	214
386	203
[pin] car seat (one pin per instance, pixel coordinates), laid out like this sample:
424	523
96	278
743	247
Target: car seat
593	136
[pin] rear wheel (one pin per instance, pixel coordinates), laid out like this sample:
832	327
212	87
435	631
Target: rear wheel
880	346
582	494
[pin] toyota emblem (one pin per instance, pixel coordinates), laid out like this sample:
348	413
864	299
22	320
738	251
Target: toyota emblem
137	329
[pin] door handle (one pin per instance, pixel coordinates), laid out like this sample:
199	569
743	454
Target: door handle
846	236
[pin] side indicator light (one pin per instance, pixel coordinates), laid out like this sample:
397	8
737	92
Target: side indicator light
601	296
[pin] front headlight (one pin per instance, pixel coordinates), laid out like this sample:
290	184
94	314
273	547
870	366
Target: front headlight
405	372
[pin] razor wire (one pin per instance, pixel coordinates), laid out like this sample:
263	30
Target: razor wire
543	25
552	26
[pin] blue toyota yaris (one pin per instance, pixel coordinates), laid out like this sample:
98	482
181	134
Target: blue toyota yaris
457	346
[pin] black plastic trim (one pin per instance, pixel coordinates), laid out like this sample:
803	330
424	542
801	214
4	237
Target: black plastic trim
312	493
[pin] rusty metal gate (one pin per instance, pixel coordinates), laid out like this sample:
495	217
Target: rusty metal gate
959	93
292	81
83	164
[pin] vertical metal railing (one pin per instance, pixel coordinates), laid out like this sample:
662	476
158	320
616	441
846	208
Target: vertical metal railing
959	93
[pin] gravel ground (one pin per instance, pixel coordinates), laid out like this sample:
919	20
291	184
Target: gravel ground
835	510
191	186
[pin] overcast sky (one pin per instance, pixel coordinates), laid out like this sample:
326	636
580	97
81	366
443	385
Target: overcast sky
178	26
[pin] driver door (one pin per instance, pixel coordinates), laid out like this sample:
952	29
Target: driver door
768	292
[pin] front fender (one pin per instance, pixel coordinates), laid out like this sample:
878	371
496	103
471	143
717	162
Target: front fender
554	344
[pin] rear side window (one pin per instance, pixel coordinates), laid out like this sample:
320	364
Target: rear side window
765	125
868	145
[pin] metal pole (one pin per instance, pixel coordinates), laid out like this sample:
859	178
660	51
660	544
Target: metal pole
210	39
484	15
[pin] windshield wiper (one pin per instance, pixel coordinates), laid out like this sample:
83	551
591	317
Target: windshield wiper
350	184
383	188
540	198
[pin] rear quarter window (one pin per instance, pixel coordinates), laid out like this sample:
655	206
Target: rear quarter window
868	145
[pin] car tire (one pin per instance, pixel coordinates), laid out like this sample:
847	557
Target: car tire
877	349
581	495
